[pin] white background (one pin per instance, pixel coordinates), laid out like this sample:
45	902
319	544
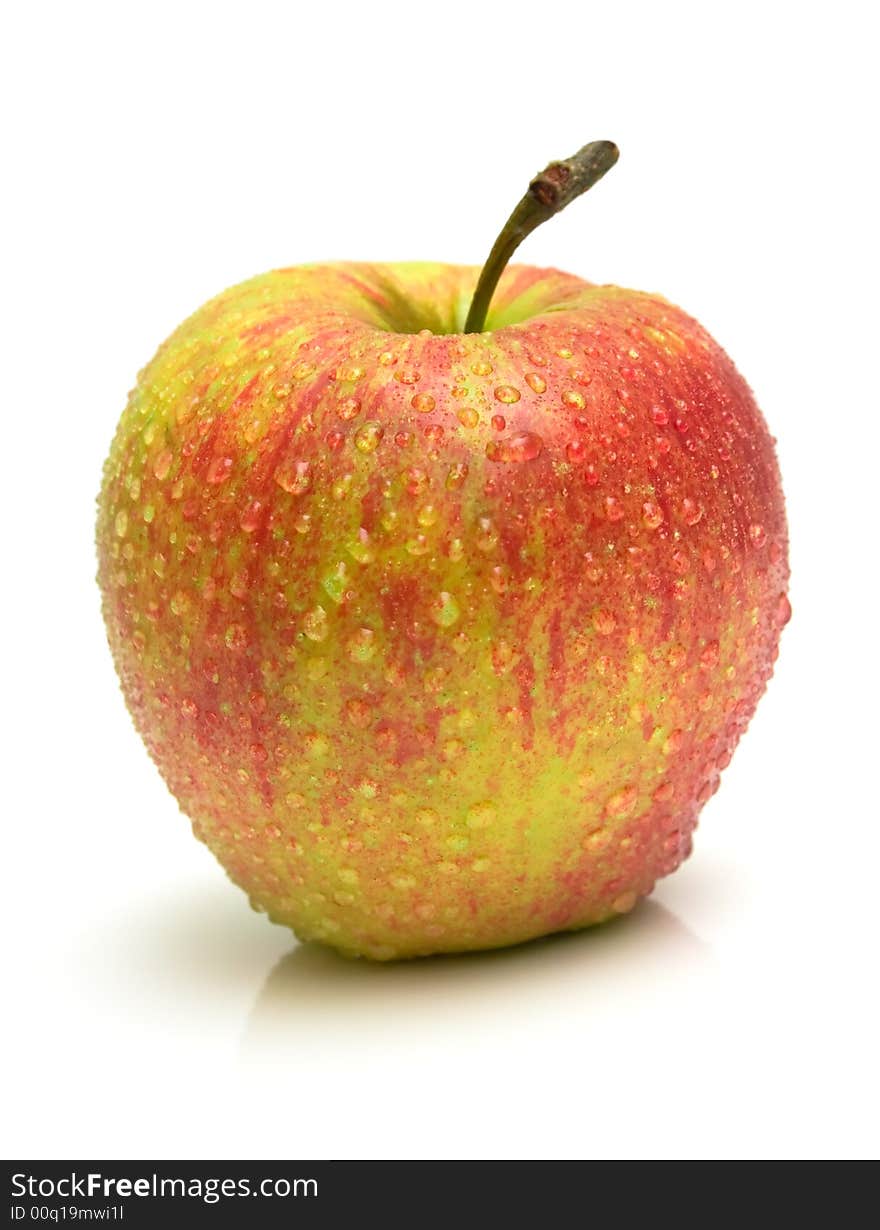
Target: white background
158	153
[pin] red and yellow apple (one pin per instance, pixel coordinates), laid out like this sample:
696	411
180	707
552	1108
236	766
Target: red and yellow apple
441	639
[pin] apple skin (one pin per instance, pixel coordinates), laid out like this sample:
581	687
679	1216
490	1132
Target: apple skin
441	640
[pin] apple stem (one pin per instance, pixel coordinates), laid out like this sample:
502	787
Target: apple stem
548	193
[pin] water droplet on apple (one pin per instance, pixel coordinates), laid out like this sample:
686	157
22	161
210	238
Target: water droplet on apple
445	611
417	480
418	545
252	430
535	382
487	535
458	843
706	791
498	579
348	408
680	562
481	815
782	613
622	802
315	625
219	470
335	583
180	603
652	515
520	447
162	464
368	437
757	535
427	516
507	394
294	476
710	655
691	511
360	548
614	510
423	403
251	517
673	742
121	523
362	645
239	583
236	637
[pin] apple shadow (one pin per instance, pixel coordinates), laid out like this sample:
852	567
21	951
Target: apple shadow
189	941
195	952
314	992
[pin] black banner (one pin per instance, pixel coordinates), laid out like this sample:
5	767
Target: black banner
197	1194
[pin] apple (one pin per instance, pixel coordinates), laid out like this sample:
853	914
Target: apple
441	627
